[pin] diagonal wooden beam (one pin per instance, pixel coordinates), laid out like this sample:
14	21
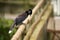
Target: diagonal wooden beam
29	33
38	32
22	27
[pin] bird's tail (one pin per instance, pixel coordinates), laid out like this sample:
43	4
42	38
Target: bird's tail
11	28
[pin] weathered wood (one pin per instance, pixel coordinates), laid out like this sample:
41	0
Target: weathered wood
51	28
22	27
37	34
35	23
39	4
50	25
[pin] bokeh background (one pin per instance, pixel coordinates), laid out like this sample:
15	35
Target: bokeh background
9	9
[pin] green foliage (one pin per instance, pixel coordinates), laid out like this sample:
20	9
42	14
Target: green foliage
4	28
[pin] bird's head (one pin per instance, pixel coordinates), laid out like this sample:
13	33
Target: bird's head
29	12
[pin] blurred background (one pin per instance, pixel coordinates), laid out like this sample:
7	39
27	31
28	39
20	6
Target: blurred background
10	9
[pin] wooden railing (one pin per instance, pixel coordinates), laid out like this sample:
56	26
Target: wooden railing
36	24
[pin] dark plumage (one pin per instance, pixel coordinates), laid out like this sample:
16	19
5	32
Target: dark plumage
21	18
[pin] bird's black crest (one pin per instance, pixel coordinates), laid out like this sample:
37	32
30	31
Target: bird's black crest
29	12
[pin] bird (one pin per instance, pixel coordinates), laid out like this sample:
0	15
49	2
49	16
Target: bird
20	18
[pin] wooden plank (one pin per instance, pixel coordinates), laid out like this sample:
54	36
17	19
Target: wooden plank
57	24
50	25
37	34
53	25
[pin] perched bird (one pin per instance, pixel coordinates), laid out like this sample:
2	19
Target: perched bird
20	19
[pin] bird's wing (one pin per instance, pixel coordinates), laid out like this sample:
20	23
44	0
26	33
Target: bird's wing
21	18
